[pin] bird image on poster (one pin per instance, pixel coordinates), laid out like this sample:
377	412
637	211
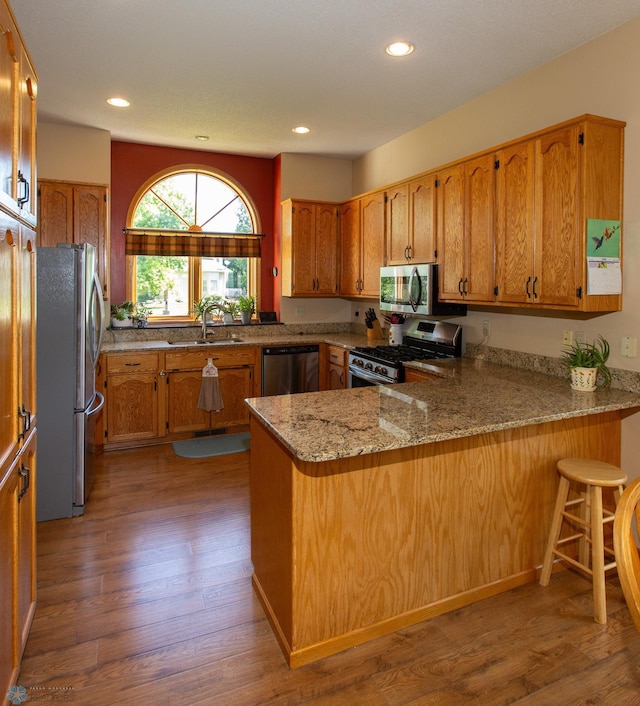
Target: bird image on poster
603	238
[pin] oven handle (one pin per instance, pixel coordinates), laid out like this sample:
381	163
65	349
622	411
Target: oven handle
369	377
412	277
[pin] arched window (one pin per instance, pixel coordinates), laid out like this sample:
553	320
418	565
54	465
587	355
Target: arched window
190	234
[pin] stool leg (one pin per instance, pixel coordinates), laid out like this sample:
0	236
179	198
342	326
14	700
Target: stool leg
584	547
597	556
554	532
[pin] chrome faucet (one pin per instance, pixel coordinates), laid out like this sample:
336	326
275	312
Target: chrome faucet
207	310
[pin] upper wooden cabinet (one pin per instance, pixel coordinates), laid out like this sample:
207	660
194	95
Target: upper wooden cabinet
411	222
18	95
548	186
75	213
362	231
309	249
466	230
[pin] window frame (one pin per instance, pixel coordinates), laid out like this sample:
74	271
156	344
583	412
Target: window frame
194	263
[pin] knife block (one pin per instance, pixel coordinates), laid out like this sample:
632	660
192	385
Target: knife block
375	333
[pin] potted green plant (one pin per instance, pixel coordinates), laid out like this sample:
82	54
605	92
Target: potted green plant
586	361
247	307
122	314
229	309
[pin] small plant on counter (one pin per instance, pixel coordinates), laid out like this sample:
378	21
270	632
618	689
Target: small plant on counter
121	313
589	355
206	305
247	304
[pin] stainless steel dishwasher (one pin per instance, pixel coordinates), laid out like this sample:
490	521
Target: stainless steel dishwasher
289	369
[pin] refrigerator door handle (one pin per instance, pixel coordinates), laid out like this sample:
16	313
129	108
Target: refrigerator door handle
97	397
96	296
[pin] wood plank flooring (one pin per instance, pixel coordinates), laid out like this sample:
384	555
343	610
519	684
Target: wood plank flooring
147	599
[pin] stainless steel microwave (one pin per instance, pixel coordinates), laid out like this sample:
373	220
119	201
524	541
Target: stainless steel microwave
413	290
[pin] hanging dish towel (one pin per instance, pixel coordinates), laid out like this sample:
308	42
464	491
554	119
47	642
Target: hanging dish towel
210	399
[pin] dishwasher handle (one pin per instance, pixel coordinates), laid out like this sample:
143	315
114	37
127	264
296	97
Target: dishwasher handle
290	350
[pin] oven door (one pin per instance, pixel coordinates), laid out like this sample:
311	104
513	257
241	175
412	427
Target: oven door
363	378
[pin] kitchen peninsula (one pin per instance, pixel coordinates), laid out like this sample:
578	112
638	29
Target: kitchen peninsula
379	507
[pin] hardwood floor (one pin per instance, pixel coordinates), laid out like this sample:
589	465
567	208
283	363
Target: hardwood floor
147	599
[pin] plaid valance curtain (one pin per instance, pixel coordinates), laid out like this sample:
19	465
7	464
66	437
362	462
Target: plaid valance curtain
149	241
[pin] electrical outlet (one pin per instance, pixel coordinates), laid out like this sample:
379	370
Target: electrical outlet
629	347
580	337
567	337
299	311
486	328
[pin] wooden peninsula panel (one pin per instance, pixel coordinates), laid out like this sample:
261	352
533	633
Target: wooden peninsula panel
349	549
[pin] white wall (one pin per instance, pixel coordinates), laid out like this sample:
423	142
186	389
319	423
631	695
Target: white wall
70	153
600	78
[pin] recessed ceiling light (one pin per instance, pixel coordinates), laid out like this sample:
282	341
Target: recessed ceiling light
301	130
202	138
118	102
400	49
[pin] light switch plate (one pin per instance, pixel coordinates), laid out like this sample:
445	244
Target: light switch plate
629	347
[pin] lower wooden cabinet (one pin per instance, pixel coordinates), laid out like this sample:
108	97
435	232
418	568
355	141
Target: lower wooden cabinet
17	559
335	368
131	391
412	375
153	397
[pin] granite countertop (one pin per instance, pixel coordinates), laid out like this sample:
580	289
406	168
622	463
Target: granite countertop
345	340
472	397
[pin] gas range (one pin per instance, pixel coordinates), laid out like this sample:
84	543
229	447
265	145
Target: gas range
422	340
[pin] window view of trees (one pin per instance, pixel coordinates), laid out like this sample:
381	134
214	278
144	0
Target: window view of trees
168	286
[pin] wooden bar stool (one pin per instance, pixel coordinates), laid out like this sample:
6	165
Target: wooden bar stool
594	476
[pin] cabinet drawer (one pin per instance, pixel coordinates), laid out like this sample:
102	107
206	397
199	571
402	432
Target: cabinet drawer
336	355
223	357
132	363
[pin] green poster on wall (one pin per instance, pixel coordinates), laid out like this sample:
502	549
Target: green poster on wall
604	275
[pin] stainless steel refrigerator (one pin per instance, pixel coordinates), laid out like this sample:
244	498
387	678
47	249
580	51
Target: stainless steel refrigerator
70	326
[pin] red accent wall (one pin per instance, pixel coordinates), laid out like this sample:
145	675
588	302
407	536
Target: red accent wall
132	164
277	231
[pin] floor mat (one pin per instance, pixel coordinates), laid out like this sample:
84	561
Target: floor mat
213	445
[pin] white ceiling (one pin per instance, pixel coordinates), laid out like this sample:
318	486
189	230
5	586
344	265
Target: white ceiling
244	72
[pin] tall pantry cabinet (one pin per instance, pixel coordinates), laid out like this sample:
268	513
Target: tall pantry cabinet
18	91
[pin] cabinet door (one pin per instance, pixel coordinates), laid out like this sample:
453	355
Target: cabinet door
8	529
422	219
372	244
479	259
326	249
336	377
451	233
9	329
26	176
55	221
183	391
8	58
27	324
132	406
350	248
303	248
236	384
557	227
514	223
399	251
89	224
25	500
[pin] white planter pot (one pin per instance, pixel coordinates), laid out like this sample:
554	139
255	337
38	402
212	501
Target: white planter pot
227	319
245	317
584	379
117	323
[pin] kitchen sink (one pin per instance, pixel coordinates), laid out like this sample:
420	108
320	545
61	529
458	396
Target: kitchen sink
218	342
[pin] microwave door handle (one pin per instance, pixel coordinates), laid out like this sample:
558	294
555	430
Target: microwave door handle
414	277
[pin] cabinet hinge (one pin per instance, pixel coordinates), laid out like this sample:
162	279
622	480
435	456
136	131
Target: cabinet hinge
496	164
104	198
386	198
435	254
579	292
105	434
495	290
166	425
581	138
436	183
